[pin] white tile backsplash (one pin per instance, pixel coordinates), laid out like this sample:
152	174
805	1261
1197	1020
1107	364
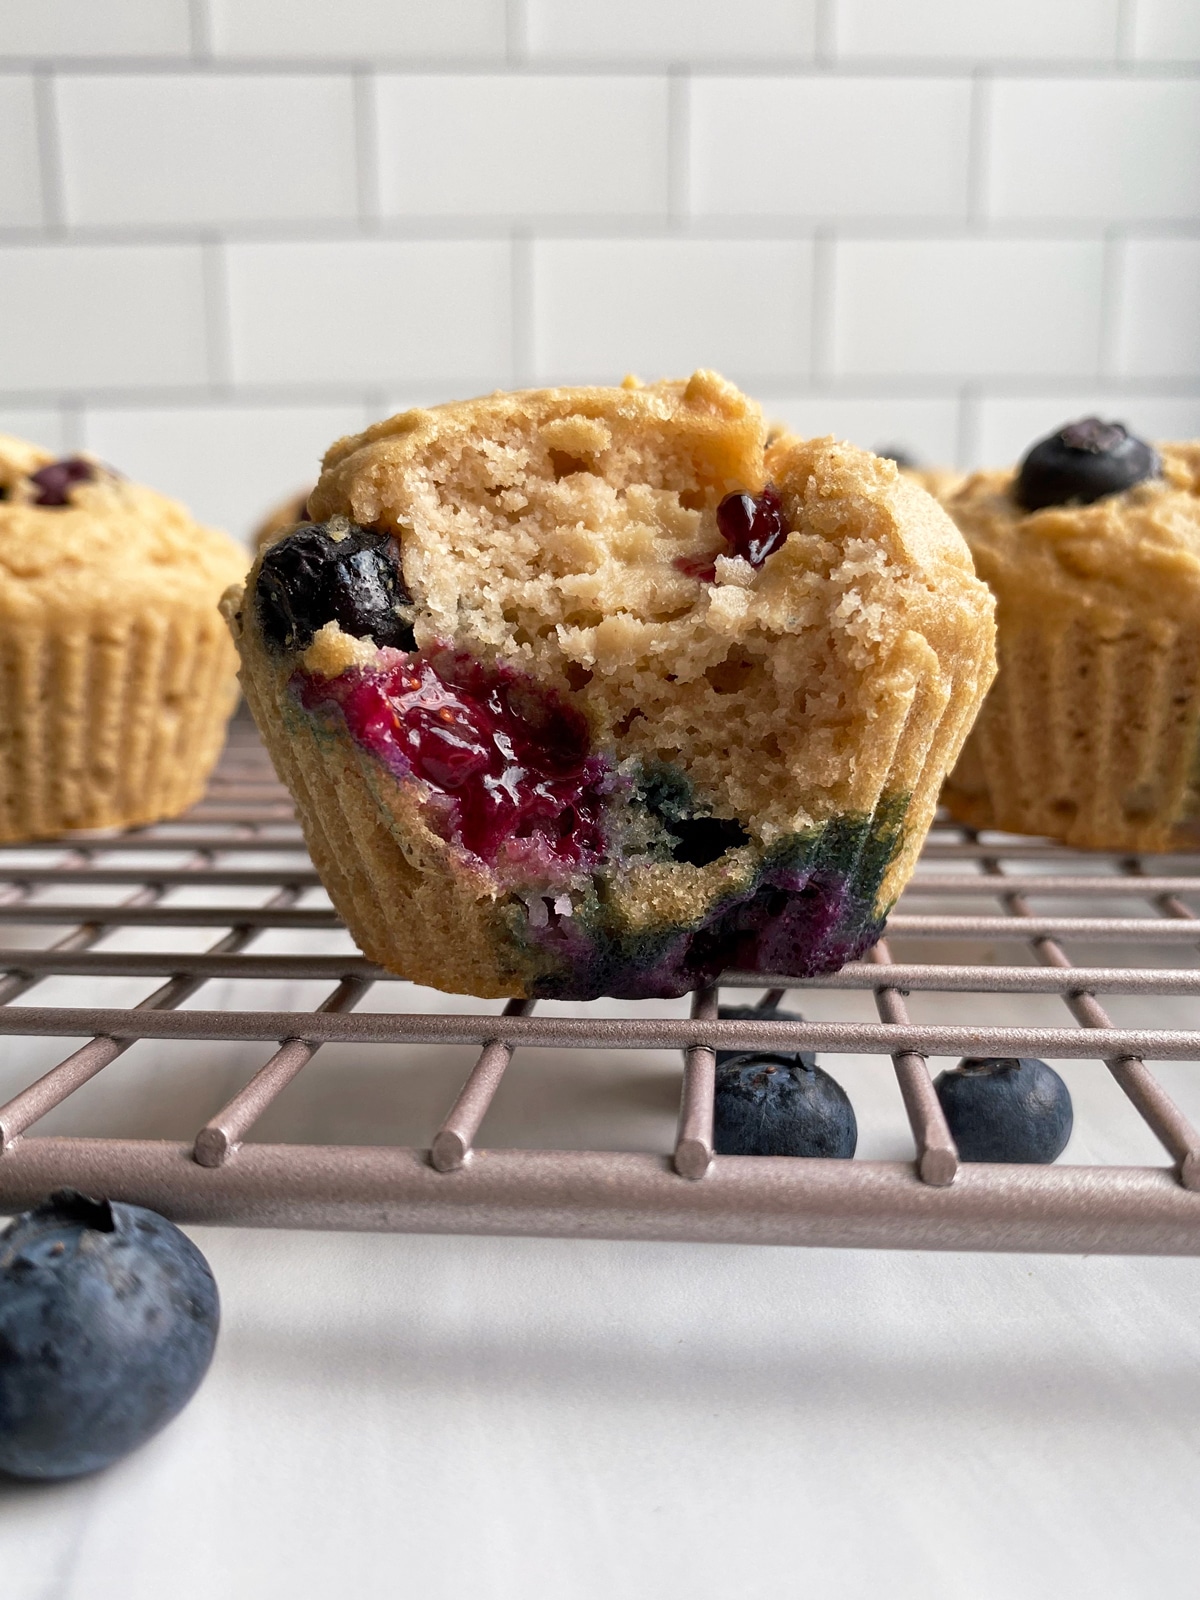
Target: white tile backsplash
228	225
370	312
39	425
830	147
72	28
661	308
1158	319
365	29
20	179
1167	30
101	316
1077	30
513	146
966	306
224	149
228	464
1105	151
671	30
1008	426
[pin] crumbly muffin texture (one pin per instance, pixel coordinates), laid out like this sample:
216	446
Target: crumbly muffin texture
117	674
746	738
1092	730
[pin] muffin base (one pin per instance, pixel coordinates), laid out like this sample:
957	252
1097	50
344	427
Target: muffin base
1088	737
108	726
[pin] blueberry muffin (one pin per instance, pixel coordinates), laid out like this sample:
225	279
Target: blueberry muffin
117	671
1091	734
940	482
582	692
280	519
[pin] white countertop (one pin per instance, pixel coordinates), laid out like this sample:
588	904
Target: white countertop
505	1418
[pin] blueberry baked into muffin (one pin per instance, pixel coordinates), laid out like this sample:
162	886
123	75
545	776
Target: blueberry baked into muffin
580	692
118	676
1091	733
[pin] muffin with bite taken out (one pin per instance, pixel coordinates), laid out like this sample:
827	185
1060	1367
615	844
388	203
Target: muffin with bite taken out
585	692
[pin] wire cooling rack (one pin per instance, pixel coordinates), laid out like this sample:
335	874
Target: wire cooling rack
63	909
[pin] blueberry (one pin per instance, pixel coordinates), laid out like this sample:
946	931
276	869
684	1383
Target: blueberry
1083	462
769	1014
778	1105
55	481
108	1318
1006	1109
313	576
753	525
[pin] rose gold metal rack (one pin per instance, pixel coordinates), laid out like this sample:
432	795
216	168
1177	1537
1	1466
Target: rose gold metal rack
930	1202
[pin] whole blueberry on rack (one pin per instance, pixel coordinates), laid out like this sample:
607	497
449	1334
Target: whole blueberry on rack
779	1105
326	572
108	1318
1006	1109
1082	462
763	1014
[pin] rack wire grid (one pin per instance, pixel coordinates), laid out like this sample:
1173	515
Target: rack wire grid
65	908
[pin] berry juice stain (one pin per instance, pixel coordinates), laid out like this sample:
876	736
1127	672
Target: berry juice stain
507	762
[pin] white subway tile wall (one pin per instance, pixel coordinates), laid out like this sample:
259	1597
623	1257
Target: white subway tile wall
231	230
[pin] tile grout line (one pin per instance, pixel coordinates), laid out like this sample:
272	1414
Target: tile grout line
1112	283
51	177
218	331
979	149
825	45
679	146
516	34
200	29
822	357
967	444
1126	38
522	345
632	227
367	165
543	66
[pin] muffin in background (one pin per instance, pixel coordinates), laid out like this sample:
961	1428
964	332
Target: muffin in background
1091	732
118	672
279	520
940	482
581	692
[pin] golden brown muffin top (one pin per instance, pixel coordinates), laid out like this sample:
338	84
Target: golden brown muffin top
1140	548
574	533
111	545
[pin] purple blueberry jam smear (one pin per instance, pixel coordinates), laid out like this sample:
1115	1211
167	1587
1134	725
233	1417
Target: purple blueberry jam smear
55	481
797	924
508	763
702	567
753	526
812	905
